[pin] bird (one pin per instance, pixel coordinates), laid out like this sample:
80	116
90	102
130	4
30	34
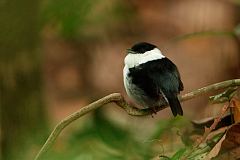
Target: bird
151	79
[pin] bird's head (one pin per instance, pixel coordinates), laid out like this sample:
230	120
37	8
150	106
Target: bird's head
141	53
141	48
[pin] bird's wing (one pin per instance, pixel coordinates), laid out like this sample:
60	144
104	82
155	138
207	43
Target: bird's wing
169	81
160	74
168	77
157	77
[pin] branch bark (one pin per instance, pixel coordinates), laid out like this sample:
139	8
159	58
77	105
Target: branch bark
131	110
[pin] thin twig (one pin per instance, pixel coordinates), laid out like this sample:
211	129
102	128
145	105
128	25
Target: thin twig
214	125
131	110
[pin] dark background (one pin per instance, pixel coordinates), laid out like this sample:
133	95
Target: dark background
59	55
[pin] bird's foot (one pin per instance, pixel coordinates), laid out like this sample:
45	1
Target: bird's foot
154	111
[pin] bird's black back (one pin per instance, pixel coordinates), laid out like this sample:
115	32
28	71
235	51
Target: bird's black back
157	76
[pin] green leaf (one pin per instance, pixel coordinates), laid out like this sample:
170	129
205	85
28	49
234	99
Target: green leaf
178	154
166	125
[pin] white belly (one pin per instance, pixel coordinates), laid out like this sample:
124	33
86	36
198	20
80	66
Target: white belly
137	94
126	80
132	90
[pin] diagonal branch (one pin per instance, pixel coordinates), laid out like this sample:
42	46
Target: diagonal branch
131	110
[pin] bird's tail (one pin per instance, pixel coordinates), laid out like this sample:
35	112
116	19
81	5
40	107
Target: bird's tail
175	105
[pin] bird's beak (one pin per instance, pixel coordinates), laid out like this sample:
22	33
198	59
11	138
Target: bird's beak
130	51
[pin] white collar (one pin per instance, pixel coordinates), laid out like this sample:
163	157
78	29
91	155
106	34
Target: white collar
133	60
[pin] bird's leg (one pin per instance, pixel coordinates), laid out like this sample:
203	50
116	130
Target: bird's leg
154	110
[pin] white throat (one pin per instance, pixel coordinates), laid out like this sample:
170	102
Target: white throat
133	60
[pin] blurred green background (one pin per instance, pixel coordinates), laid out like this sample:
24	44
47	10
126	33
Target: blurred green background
59	55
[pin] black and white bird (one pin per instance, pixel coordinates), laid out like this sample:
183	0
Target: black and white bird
151	79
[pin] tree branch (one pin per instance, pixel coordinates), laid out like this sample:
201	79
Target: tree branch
131	110
213	87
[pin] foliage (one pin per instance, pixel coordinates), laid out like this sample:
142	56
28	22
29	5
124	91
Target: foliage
84	18
100	138
178	154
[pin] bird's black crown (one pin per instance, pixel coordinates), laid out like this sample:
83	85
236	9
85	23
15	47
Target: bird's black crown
142	47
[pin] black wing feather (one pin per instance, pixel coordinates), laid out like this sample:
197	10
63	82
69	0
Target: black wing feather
159	74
